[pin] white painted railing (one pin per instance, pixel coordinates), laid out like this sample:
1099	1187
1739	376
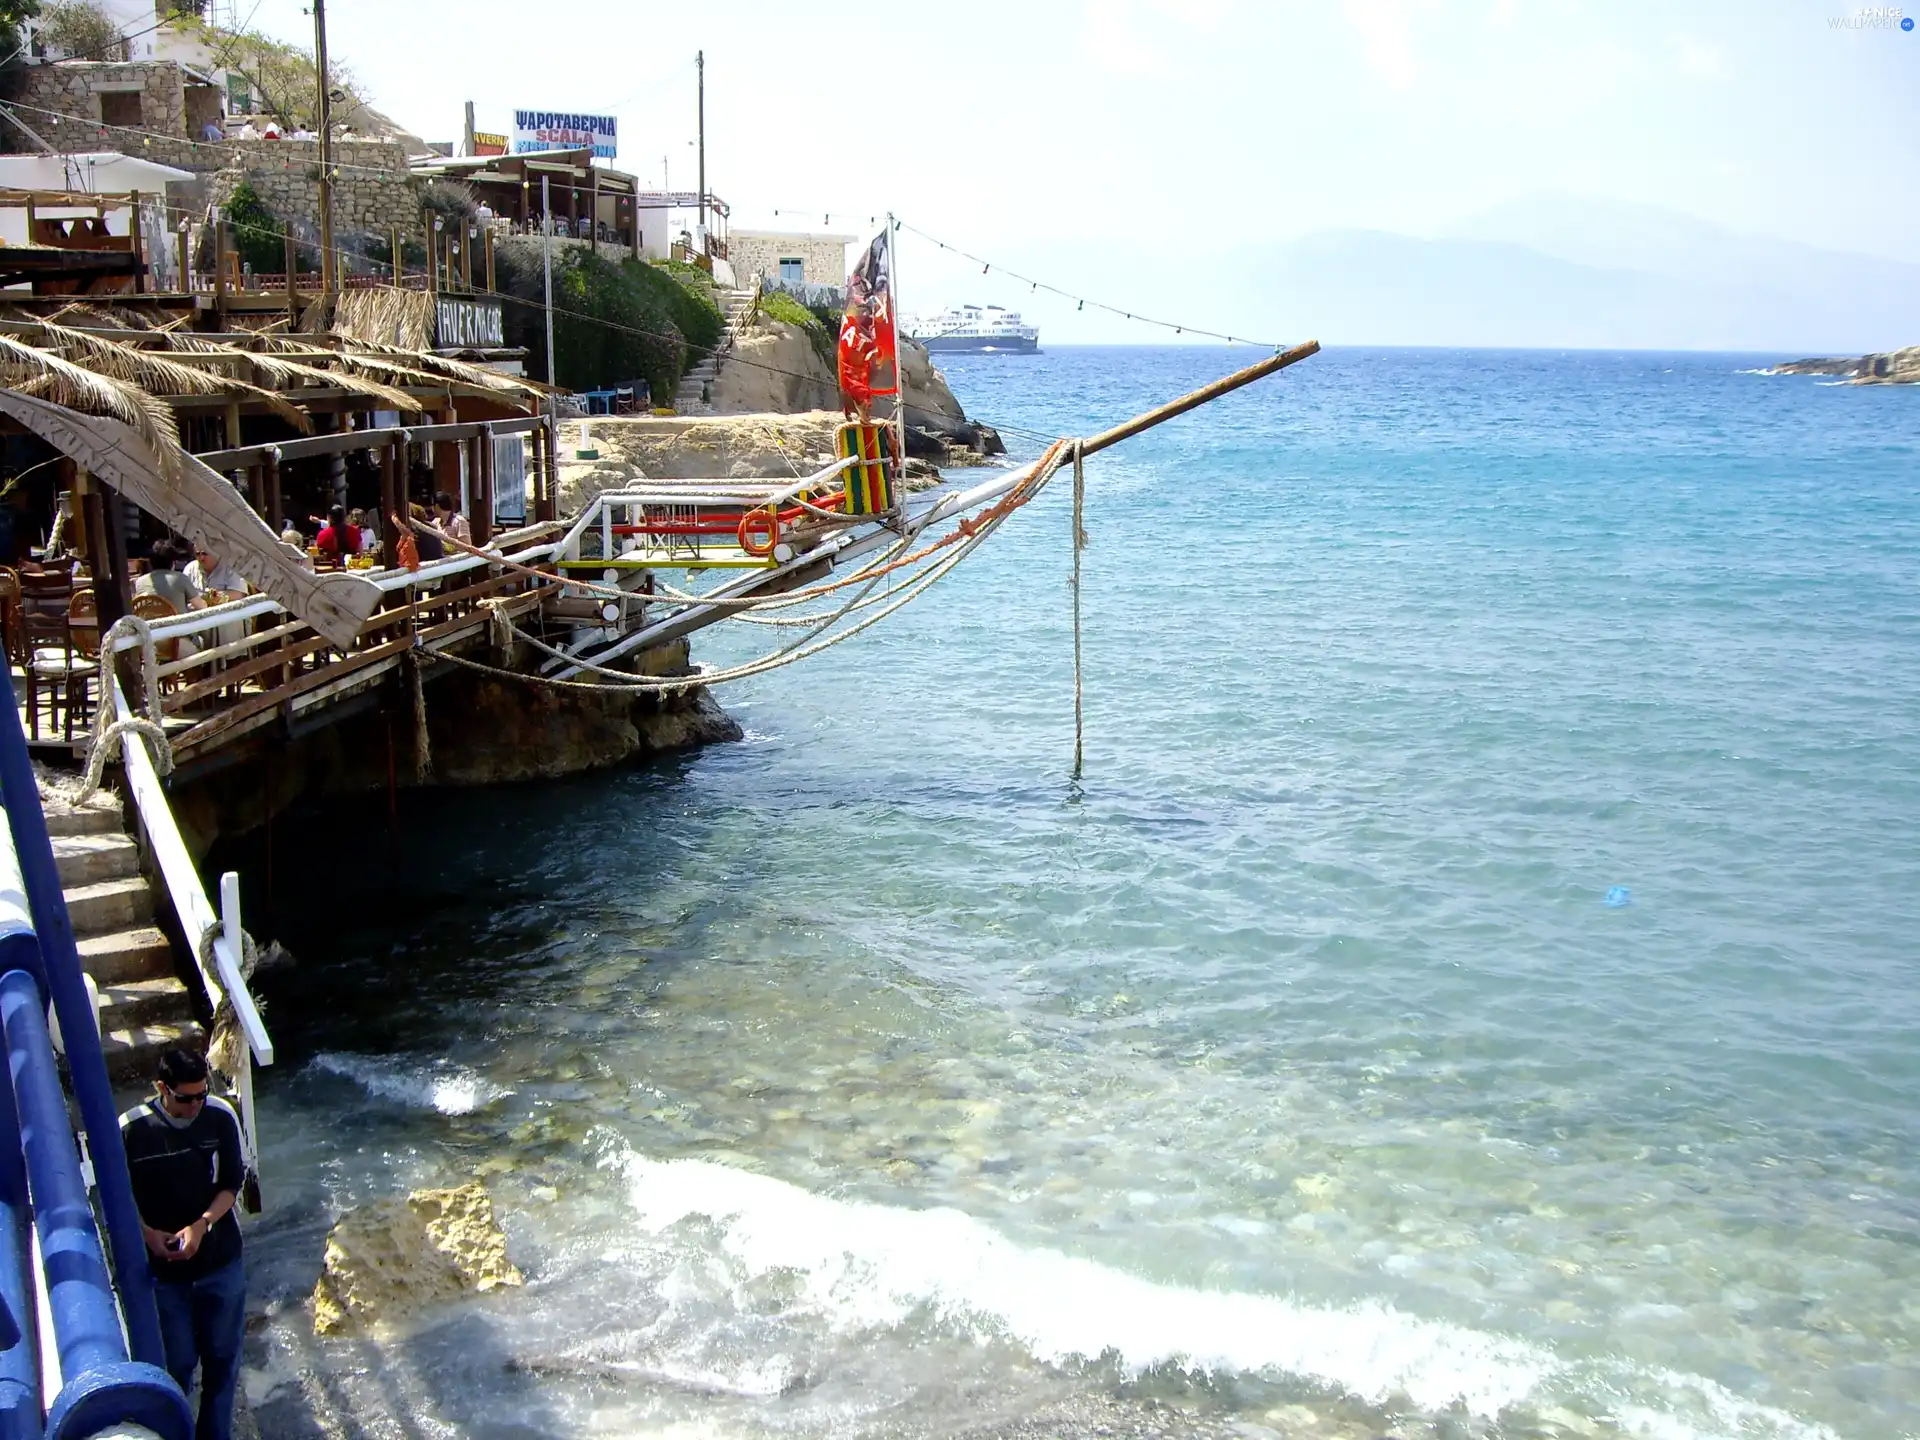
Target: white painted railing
224	978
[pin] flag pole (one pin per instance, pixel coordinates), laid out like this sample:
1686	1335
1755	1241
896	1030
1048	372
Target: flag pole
899	369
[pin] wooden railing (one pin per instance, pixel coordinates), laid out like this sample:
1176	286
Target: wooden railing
278	664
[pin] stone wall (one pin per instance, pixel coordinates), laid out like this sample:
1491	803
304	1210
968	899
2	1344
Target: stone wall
372	191
759	252
71	89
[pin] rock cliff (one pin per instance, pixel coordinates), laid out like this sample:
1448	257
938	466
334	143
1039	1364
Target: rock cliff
1895	367
776	367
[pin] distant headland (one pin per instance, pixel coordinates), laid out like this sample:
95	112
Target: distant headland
1895	367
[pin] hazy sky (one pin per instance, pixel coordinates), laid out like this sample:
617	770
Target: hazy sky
1163	131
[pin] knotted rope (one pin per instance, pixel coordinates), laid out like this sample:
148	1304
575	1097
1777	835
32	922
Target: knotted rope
226	1042
106	733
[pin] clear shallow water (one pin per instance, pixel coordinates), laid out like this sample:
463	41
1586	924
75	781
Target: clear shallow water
869	1078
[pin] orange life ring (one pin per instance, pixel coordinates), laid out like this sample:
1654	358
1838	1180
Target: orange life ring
758	532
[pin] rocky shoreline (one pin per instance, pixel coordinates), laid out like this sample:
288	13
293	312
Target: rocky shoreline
1893	367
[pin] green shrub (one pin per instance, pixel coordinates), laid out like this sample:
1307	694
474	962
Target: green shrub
687	292
778	305
612	324
257	232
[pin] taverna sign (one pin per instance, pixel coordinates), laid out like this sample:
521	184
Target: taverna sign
470	325
536	130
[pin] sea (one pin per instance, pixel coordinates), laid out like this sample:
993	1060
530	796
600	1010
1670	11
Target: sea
1472	989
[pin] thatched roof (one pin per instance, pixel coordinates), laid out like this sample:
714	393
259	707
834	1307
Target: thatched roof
98	360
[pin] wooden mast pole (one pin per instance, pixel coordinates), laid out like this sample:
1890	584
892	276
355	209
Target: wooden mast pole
329	270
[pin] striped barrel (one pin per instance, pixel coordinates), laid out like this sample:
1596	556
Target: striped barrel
869	484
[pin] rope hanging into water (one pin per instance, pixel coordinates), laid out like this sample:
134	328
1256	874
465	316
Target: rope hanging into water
1079	544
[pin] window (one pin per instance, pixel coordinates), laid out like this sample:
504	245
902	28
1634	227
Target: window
120	107
793	268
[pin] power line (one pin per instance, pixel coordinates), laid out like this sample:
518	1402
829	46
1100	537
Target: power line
1083	301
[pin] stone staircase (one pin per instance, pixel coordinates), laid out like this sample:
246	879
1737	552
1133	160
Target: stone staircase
694	395
144	1008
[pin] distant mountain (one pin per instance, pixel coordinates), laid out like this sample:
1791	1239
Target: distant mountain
1676	287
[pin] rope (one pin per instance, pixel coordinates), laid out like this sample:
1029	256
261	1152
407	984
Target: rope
499	624
108	733
970	534
1079	544
223	1049
422	745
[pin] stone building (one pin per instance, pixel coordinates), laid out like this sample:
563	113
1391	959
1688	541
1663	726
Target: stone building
160	110
790	256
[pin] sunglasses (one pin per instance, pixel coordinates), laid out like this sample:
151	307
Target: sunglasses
183	1097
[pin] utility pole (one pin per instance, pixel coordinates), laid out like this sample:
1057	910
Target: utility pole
700	64
546	226
329	271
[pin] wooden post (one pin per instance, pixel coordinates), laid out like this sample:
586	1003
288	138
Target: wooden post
486	239
220	274
75	479
293	285
107	555
272	478
545	499
393	501
234	441
466	256
186	258
482	517
139	245
446	458
256	491
397	254
433	262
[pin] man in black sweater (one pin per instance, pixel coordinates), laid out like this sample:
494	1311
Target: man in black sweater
184	1153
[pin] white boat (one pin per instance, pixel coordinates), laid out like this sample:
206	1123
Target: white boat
972	329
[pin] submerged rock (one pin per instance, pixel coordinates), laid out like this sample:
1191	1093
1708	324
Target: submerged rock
392	1258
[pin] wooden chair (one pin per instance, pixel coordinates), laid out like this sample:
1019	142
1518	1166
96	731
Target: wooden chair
10	616
152	607
83	646
49	645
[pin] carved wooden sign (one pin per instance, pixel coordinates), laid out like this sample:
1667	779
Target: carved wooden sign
205	507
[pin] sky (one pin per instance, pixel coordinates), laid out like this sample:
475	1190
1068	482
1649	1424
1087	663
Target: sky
1123	143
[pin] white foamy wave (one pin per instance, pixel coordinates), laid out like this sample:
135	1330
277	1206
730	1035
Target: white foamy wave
869	1265
426	1085
862	1265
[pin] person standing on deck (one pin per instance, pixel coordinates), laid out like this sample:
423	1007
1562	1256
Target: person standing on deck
184	1155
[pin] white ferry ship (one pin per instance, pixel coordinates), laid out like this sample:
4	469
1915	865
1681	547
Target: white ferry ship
975	330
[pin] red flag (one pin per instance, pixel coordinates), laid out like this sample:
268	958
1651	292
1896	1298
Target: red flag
869	344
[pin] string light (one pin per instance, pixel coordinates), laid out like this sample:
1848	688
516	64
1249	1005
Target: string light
1080	302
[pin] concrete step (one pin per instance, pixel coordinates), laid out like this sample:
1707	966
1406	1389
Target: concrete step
108	905
99	816
82	859
132	1052
144	1002
121	955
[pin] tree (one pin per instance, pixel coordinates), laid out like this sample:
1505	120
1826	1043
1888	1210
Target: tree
82	31
257	234
12	12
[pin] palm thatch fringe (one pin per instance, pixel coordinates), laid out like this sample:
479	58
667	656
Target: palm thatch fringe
292	372
160	376
65	383
386	315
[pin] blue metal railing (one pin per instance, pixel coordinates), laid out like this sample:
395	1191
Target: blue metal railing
101	1383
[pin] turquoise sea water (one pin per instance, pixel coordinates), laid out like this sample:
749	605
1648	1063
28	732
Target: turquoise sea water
1291	1072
